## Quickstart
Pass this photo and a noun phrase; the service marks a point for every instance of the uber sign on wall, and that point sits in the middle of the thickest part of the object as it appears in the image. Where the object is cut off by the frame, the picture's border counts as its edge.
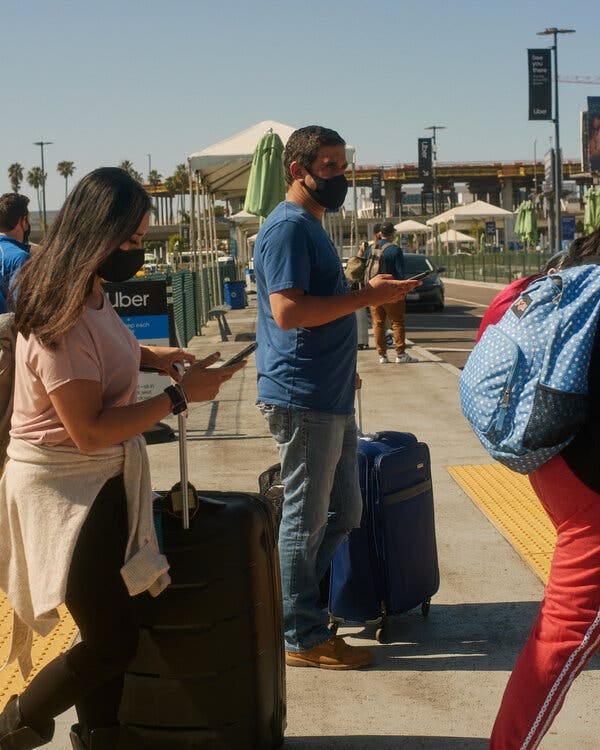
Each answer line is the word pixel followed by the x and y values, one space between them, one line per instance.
pixel 142 306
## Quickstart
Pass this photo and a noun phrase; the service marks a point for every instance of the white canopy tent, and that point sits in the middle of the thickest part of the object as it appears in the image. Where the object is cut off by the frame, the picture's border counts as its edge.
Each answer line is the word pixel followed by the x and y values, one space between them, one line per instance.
pixel 224 167
pixel 469 212
pixel 410 226
pixel 476 211
pixel 451 235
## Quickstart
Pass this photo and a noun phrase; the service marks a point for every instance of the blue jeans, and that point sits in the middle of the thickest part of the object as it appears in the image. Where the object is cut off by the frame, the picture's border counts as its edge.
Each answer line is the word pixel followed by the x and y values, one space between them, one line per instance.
pixel 322 503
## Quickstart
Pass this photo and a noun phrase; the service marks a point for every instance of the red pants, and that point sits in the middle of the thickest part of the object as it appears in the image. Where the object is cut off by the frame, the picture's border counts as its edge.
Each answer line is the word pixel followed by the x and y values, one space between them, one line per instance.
pixel 396 312
pixel 567 631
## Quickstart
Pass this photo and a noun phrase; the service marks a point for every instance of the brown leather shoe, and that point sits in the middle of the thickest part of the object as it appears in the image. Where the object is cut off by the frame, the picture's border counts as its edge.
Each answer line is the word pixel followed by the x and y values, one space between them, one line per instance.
pixel 333 654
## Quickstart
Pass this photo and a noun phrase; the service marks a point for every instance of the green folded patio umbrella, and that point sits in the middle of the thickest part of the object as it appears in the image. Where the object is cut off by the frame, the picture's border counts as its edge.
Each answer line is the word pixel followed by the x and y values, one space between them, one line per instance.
pixel 526 225
pixel 266 184
pixel 591 216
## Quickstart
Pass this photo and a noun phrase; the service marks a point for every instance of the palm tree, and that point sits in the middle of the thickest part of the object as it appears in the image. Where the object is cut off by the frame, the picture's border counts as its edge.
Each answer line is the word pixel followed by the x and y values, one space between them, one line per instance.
pixel 130 169
pixel 171 189
pixel 65 169
pixel 154 178
pixel 15 175
pixel 35 178
pixel 180 178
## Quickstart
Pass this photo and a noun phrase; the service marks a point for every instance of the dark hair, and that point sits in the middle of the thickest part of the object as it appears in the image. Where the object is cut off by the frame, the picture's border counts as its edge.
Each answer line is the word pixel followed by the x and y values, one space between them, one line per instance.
pixel 303 146
pixel 581 248
pixel 12 208
pixel 100 214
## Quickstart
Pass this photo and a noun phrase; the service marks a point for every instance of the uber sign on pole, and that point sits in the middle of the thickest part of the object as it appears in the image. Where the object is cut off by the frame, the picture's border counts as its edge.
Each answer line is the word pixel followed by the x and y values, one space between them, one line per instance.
pixel 376 185
pixel 540 84
pixel 425 158
pixel 142 306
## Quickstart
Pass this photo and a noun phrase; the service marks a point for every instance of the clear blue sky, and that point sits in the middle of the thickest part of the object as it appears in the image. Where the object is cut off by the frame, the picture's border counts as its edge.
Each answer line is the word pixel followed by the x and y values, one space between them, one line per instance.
pixel 113 80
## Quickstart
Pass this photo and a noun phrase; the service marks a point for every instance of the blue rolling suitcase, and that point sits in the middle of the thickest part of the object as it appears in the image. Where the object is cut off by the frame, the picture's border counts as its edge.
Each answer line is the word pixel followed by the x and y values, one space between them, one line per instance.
pixel 389 565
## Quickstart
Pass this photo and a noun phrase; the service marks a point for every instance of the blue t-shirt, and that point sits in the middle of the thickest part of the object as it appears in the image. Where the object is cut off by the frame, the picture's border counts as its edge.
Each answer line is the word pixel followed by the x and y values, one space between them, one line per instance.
pixel 304 368
pixel 12 256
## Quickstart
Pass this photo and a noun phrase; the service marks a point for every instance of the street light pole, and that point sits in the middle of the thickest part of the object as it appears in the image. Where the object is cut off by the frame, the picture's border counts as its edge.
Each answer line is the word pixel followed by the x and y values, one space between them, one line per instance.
pixel 534 170
pixel 435 128
pixel 41 144
pixel 558 156
pixel 149 165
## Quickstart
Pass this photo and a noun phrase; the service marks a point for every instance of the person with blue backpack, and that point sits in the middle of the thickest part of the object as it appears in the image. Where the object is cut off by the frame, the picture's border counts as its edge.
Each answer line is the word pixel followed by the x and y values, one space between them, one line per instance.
pixel 551 432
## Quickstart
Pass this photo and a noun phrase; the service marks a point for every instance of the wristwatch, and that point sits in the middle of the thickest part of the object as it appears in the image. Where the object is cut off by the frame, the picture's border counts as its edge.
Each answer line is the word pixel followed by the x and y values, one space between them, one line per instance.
pixel 178 399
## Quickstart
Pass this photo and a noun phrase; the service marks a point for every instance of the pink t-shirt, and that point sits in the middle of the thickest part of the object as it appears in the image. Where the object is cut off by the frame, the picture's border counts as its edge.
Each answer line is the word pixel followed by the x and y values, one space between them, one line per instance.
pixel 99 347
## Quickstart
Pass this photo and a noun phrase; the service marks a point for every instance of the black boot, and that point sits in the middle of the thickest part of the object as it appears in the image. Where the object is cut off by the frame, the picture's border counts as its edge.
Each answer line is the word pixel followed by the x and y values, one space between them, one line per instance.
pixel 104 738
pixel 16 735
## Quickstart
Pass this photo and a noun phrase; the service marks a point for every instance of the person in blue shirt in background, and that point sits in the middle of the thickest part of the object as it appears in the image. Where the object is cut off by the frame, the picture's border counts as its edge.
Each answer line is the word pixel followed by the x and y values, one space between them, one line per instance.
pixel 306 369
pixel 392 262
pixel 14 240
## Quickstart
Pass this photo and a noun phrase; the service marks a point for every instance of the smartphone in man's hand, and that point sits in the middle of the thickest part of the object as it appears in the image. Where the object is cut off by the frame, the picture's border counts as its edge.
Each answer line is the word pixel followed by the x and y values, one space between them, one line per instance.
pixel 421 275
pixel 243 354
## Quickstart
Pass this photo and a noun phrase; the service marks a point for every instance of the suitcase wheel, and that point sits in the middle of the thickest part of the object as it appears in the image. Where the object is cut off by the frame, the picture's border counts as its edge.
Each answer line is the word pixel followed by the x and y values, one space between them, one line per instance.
pixel 425 607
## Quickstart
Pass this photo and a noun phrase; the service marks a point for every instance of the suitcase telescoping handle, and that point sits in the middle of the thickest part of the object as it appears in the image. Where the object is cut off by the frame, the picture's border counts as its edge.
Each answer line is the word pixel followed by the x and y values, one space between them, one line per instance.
pixel 183 468
pixel 183 460
pixel 359 409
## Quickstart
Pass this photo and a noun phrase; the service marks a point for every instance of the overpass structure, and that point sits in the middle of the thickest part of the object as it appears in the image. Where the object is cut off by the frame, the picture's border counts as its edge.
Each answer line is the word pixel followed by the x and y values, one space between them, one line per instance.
pixel 502 183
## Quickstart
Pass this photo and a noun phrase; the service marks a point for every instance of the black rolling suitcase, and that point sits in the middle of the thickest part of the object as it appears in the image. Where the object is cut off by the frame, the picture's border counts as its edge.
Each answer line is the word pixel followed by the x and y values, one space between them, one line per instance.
pixel 209 673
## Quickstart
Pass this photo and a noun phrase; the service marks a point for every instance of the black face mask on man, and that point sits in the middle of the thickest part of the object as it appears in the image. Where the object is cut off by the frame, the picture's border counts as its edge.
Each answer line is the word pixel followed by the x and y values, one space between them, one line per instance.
pixel 121 265
pixel 330 192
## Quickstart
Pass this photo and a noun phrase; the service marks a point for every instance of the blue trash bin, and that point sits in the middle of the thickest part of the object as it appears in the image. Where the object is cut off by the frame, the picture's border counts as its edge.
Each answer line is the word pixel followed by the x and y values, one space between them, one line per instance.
pixel 235 294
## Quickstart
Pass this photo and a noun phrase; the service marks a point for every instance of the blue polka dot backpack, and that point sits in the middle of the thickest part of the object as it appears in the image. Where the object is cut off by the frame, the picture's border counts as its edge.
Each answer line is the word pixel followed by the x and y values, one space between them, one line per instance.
pixel 524 388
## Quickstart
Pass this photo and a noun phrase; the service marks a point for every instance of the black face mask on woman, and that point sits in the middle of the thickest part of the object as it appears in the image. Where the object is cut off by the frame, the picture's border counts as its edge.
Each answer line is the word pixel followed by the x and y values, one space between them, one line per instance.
pixel 121 265
pixel 329 193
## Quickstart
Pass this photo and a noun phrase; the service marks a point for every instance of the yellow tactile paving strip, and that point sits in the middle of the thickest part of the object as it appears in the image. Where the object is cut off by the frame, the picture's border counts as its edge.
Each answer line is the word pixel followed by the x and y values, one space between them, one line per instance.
pixel 43 651
pixel 510 503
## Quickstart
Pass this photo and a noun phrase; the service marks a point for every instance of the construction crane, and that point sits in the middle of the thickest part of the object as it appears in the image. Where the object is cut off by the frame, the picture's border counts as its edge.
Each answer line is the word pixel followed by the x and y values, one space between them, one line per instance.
pixel 579 79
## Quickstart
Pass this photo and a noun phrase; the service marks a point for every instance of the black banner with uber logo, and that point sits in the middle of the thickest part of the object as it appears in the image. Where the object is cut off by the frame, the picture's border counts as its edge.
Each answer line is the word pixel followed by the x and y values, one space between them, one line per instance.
pixel 425 158
pixel 540 84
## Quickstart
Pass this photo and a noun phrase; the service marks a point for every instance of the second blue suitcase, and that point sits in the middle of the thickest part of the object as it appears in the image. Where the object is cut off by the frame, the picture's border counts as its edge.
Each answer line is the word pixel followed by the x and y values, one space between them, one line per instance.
pixel 389 565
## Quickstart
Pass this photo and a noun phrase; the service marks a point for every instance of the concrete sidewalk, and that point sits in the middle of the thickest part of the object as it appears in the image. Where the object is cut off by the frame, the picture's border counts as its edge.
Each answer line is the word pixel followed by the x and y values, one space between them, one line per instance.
pixel 439 682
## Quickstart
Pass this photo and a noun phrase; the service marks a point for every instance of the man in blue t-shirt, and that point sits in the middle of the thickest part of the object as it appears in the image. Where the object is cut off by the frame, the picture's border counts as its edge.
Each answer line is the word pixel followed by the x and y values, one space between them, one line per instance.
pixel 306 364
pixel 14 240
pixel 391 261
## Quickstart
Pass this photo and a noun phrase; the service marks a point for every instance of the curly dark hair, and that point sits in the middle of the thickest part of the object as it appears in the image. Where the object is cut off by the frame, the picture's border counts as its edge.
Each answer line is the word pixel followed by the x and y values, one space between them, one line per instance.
pixel 580 248
pixel 303 146
pixel 12 208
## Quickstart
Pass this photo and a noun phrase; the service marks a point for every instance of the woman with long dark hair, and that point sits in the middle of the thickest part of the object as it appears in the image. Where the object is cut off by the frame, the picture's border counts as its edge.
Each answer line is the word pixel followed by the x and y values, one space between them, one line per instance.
pixel 75 496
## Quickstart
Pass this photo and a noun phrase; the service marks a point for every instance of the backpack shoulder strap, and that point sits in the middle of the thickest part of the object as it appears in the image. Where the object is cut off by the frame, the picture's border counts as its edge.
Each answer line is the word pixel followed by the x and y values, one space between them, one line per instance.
pixel 383 247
